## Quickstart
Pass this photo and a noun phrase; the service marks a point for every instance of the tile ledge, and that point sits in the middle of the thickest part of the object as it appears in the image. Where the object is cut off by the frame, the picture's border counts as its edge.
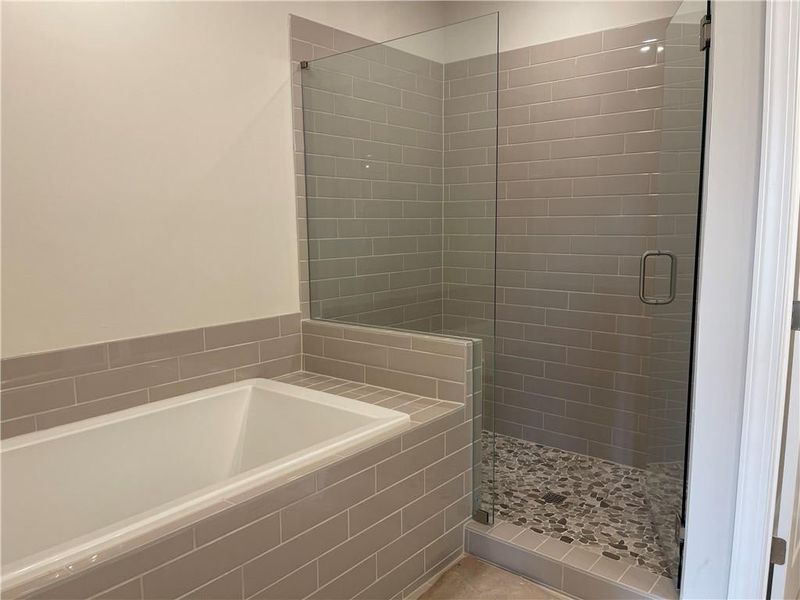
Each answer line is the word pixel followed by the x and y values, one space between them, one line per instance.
pixel 486 531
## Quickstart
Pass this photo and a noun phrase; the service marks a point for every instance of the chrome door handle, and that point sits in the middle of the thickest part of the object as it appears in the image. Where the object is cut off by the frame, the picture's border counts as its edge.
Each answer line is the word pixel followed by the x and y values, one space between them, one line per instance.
pixel 673 271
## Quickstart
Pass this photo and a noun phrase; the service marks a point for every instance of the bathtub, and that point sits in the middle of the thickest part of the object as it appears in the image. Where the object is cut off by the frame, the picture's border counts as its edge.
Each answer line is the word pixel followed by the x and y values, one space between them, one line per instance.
pixel 73 491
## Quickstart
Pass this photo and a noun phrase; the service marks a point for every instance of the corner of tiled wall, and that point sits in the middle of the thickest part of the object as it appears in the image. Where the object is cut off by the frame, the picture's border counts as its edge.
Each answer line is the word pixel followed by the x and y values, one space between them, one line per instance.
pixel 581 184
pixel 429 366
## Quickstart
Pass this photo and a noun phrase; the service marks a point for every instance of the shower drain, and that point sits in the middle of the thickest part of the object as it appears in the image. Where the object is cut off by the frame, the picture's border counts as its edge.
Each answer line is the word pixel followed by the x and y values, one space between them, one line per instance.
pixel 553 498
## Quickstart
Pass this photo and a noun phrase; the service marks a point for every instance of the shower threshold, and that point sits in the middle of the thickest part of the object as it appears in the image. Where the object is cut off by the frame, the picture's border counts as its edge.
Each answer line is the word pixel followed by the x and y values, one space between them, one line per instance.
pixel 574 570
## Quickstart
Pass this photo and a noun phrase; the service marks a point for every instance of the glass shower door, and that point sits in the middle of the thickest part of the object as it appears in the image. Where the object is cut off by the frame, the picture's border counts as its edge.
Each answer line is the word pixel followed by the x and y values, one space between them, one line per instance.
pixel 668 273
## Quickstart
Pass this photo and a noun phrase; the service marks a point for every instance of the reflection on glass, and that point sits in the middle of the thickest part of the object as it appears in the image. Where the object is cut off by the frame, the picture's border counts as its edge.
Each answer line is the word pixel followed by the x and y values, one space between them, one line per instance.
pixel 400 160
pixel 678 207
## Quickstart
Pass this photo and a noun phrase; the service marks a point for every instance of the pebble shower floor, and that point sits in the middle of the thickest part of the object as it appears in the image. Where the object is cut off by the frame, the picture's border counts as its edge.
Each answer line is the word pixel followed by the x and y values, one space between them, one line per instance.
pixel 604 506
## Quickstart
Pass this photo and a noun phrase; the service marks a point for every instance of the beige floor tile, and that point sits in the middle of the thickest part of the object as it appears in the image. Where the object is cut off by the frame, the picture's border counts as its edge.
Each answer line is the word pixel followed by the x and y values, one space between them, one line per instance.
pixel 473 579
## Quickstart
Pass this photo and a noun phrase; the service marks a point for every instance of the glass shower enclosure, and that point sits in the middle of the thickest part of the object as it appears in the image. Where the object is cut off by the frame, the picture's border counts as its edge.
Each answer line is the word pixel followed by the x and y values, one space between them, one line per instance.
pixel 400 166
pixel 549 210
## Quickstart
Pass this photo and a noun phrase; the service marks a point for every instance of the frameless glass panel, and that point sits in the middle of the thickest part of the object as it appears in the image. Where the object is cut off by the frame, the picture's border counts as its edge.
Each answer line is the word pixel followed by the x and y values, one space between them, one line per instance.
pixel 669 275
pixel 400 159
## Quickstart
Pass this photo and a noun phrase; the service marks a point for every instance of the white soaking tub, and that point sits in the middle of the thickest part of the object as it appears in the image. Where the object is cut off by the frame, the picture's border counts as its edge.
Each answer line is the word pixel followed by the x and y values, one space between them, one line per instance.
pixel 72 491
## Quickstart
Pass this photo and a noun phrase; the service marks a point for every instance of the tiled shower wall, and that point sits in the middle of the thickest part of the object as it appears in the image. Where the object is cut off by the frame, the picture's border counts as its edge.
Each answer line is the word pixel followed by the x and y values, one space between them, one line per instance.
pixel 579 162
pixel 671 326
pixel 579 135
pixel 373 141
pixel 678 205
pixel 470 193
pixel 375 148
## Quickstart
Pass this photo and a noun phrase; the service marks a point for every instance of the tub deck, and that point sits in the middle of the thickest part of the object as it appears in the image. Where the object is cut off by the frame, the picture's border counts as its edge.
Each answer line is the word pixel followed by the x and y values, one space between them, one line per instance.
pixel 419 408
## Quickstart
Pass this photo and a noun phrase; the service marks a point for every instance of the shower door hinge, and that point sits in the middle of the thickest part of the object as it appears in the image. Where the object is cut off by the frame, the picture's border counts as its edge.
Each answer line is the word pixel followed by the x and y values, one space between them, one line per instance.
pixel 481 516
pixel 777 551
pixel 303 64
pixel 680 530
pixel 796 315
pixel 705 32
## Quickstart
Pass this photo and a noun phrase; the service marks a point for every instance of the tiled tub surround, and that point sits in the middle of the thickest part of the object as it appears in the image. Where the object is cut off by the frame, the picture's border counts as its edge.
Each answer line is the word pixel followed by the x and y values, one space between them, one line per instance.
pixel 433 366
pixel 374 524
pixel 44 390
pixel 573 570
pixel 410 527
pixel 54 388
pixel 447 368
pixel 115 478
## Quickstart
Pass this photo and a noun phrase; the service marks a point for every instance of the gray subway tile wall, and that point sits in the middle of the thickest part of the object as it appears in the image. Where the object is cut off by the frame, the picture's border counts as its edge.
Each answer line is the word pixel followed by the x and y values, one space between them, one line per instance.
pixel 372 237
pixel 405 498
pixel 43 390
pixel 390 239
pixel 681 122
pixel 422 365
pixel 435 367
pixel 670 326
pixel 585 186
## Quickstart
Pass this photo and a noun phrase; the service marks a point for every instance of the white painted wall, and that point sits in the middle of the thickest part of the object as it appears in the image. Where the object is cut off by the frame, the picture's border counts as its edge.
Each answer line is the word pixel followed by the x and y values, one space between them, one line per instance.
pixel 524 24
pixel 458 41
pixel 538 21
pixel 147 163
pixel 379 21
pixel 730 203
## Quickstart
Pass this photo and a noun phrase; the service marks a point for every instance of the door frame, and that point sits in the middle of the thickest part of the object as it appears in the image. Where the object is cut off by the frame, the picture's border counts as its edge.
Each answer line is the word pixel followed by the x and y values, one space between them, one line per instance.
pixel 770 316
pixel 727 240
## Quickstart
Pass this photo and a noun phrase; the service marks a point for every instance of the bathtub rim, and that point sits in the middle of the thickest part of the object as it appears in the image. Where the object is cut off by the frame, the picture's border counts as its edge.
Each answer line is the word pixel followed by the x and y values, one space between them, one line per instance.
pixel 52 433
pixel 135 531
